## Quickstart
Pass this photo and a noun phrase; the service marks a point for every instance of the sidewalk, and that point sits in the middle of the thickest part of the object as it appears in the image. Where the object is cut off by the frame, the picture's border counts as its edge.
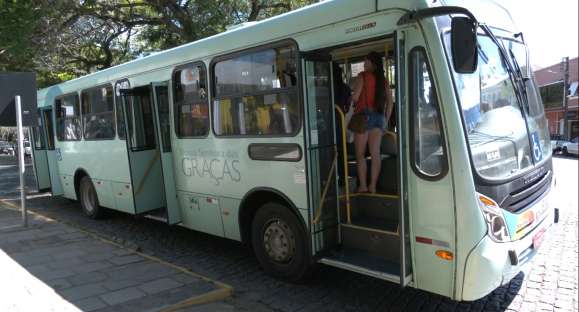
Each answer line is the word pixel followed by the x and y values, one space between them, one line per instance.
pixel 50 266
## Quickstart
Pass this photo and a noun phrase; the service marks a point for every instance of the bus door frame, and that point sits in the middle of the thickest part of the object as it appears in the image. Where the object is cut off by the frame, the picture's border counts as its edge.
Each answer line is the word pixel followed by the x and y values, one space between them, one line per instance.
pixel 406 267
pixel 167 165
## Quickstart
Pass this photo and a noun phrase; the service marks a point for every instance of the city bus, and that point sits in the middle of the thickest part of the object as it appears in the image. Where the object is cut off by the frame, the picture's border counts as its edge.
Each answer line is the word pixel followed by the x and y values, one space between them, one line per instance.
pixel 239 135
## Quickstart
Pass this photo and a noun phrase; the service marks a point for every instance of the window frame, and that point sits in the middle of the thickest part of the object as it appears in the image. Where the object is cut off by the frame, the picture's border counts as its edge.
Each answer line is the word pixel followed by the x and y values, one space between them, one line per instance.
pixel 413 111
pixel 298 88
pixel 173 102
pixel 104 85
pixel 60 97
pixel 118 82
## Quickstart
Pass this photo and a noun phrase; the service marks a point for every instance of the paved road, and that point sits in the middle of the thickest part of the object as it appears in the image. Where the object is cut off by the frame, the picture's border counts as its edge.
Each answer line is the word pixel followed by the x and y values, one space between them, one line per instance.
pixel 550 284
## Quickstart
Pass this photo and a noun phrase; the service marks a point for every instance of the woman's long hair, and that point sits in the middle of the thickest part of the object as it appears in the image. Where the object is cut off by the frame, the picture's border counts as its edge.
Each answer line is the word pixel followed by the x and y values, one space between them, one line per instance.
pixel 379 97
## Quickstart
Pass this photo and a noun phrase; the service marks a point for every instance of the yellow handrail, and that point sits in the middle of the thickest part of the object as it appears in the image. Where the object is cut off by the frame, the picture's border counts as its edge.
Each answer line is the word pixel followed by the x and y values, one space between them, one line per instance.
pixel 345 163
pixel 326 187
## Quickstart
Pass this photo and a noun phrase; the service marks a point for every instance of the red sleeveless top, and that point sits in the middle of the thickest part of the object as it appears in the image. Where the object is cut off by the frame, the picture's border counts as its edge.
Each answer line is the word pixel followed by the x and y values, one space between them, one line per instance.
pixel 367 96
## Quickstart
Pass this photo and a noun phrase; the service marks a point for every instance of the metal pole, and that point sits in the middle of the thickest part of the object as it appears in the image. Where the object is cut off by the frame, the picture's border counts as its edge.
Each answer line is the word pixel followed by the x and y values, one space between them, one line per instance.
pixel 565 102
pixel 21 166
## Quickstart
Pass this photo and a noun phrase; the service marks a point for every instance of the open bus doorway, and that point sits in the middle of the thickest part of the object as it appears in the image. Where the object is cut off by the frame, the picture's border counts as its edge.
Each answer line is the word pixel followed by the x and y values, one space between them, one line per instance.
pixel 363 234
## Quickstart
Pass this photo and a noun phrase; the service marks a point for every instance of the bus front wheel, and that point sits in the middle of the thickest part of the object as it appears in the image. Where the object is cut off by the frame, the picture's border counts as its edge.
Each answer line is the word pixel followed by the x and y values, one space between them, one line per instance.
pixel 280 243
pixel 88 199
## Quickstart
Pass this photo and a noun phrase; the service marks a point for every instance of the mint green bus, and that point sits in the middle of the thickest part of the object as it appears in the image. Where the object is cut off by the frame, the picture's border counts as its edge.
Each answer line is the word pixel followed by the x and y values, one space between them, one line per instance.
pixel 242 135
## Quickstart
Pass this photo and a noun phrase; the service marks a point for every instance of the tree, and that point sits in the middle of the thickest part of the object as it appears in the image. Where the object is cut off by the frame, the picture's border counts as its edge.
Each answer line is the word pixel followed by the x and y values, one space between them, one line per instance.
pixel 62 39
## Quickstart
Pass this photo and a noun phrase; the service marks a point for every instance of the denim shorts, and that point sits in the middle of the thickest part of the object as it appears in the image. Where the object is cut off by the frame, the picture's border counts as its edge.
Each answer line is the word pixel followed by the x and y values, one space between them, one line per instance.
pixel 376 120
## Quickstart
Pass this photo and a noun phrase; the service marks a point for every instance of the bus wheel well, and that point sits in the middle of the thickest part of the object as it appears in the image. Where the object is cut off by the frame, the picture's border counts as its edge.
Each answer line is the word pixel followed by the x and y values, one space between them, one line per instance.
pixel 252 202
pixel 78 175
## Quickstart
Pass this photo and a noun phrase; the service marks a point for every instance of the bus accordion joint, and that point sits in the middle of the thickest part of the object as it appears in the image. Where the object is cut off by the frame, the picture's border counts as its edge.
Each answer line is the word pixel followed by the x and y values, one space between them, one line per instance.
pixel 444 255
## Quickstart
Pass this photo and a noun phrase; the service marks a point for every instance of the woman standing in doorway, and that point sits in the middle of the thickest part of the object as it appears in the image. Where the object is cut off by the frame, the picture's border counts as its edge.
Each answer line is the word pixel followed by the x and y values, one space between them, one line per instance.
pixel 375 104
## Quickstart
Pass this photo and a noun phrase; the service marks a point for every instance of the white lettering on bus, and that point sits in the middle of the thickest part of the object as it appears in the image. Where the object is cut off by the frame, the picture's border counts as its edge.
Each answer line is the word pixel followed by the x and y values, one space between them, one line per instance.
pixel 213 168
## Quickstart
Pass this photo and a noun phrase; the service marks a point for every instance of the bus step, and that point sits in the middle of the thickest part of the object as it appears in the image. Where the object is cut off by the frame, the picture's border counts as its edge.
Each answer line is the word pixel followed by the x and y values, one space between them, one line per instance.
pixel 381 242
pixel 361 262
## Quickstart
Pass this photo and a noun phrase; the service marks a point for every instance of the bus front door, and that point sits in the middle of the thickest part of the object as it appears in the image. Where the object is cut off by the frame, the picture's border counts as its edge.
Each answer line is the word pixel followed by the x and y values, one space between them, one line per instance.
pixel 322 154
pixel 143 150
pixel 428 195
pixel 163 121
pixel 41 170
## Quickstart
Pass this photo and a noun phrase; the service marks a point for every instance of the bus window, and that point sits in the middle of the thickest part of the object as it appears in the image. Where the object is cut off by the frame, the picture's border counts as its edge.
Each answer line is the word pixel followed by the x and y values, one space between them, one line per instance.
pixel 256 93
pixel 38 133
pixel 98 113
pixel 68 118
pixel 429 155
pixel 140 122
pixel 47 115
pixel 191 107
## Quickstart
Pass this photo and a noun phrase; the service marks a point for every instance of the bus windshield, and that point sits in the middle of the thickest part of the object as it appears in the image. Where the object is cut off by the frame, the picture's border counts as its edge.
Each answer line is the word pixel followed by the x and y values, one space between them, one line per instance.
pixel 495 119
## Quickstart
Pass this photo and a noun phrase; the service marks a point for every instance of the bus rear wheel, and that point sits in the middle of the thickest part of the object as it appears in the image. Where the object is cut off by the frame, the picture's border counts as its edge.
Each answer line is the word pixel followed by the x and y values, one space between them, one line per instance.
pixel 89 200
pixel 279 243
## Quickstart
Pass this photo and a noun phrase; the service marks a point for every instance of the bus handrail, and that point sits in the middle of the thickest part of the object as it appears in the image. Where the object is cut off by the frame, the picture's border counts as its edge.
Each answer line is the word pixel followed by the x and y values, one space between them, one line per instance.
pixel 345 162
pixel 326 187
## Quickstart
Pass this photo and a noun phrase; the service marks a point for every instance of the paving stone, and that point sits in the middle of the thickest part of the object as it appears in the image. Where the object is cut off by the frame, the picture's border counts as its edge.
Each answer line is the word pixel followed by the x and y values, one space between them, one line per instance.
pixel 123 295
pixel 83 291
pixel 87 278
pixel 159 285
pixel 90 304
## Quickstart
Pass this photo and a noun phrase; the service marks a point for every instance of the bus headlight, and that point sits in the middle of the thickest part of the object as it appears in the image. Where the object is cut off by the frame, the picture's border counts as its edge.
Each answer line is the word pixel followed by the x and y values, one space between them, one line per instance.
pixel 494 219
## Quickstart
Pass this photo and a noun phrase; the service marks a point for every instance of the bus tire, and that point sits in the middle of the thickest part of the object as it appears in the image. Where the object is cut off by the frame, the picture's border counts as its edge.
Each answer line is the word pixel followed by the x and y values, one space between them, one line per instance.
pixel 280 243
pixel 89 200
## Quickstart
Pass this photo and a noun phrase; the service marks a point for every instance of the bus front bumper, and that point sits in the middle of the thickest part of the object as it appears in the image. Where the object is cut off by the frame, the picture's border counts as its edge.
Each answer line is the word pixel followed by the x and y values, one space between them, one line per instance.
pixel 493 264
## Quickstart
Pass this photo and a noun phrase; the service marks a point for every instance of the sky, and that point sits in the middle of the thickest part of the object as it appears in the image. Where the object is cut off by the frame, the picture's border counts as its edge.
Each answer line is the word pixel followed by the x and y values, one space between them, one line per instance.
pixel 550 28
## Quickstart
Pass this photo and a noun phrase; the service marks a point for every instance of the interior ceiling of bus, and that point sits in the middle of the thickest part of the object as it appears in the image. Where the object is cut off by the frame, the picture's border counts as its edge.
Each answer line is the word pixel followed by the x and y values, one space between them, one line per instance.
pixel 362 50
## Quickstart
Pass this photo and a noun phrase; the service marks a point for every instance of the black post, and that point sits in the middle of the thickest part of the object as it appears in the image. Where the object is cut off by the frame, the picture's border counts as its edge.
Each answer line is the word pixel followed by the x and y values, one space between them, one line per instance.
pixel 565 91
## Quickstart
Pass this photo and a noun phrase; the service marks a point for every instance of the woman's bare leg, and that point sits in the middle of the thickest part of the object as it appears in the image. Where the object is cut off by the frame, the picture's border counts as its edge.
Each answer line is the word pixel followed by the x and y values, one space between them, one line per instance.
pixel 360 141
pixel 374 141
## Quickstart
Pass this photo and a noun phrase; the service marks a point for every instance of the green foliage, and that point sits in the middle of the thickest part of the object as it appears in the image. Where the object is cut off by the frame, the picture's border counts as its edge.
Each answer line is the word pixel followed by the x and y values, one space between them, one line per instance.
pixel 64 39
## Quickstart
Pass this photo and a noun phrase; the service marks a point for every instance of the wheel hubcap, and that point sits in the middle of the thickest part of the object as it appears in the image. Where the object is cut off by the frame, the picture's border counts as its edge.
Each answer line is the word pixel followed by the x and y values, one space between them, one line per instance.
pixel 279 241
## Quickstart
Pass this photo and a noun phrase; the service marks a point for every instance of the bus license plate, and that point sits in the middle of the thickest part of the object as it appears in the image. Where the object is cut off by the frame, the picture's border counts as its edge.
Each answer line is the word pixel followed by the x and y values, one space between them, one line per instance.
pixel 538 239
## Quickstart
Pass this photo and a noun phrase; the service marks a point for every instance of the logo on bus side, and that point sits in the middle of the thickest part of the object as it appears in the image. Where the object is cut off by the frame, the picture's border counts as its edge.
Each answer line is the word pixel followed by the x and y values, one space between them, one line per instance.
pixel 212 164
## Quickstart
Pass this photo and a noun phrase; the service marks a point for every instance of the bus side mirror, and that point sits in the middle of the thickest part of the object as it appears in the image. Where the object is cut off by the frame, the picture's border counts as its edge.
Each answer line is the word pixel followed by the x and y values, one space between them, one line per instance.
pixel 464 45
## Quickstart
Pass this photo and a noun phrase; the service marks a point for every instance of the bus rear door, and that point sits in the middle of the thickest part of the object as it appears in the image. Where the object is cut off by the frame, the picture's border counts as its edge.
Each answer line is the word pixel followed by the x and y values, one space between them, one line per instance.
pixel 143 150
pixel 163 121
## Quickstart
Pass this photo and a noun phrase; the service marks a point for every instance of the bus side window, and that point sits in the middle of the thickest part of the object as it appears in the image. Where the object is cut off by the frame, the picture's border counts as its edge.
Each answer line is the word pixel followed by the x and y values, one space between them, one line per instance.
pixel 256 93
pixel 67 118
pixel 428 155
pixel 98 113
pixel 191 103
pixel 38 133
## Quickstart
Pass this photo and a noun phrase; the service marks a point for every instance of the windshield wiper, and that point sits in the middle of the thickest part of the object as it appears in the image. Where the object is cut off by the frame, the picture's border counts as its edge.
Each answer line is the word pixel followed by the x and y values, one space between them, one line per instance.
pixel 509 67
pixel 522 80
